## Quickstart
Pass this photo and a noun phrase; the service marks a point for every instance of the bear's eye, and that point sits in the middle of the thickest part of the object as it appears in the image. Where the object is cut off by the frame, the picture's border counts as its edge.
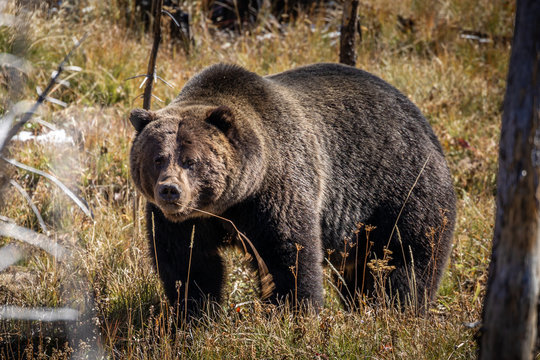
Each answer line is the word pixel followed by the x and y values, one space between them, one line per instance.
pixel 159 160
pixel 189 163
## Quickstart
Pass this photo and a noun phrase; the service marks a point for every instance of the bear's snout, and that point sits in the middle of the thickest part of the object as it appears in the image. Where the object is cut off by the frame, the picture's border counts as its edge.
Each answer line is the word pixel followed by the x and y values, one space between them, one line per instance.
pixel 169 192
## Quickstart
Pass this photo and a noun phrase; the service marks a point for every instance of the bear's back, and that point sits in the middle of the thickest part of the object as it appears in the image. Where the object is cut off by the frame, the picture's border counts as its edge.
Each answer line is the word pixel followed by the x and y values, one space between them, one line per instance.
pixel 331 89
pixel 378 143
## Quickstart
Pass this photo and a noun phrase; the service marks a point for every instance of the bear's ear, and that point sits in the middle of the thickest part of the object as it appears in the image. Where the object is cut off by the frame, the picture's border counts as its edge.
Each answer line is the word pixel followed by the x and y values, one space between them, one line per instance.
pixel 139 118
pixel 221 117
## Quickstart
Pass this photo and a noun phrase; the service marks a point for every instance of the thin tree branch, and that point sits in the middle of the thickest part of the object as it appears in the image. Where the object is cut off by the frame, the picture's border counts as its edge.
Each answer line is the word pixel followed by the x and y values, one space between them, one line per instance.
pixel 158 4
pixel 42 97
pixel 136 76
pixel 349 22
pixel 25 195
pixel 38 314
pixel 165 82
pixel 33 238
pixel 77 200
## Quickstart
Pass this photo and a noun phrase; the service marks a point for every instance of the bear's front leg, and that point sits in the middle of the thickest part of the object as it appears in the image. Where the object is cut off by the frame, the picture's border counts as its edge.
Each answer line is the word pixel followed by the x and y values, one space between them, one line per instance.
pixel 297 272
pixel 291 249
pixel 181 262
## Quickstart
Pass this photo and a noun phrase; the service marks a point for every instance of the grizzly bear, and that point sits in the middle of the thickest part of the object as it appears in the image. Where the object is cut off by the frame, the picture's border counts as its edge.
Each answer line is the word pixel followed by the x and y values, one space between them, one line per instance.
pixel 321 161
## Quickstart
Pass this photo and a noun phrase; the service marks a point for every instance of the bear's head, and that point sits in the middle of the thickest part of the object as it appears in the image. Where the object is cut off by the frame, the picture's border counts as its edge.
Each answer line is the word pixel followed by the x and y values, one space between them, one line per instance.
pixel 193 159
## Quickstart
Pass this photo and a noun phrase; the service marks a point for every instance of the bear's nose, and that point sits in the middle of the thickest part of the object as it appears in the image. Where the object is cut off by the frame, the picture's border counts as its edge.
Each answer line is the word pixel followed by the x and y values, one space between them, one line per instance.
pixel 169 192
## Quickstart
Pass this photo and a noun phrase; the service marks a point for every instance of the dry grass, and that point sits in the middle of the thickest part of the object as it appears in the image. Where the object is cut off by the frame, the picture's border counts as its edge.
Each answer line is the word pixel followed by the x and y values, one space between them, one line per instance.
pixel 457 83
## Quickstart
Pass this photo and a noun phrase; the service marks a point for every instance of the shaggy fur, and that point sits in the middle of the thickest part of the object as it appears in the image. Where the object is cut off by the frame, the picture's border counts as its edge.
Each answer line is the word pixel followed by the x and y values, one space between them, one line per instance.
pixel 296 158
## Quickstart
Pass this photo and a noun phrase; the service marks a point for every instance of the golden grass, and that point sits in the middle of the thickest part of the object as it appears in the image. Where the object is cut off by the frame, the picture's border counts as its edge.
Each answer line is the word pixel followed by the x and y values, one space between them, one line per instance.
pixel 457 83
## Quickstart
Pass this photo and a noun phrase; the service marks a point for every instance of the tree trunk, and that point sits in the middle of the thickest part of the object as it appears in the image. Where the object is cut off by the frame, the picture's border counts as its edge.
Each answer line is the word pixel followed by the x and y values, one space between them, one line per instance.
pixel 349 24
pixel 510 307
pixel 157 5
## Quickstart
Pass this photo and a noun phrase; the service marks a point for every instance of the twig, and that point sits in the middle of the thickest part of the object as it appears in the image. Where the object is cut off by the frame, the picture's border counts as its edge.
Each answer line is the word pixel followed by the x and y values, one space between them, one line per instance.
pixel 38 314
pixel 184 37
pixel 333 286
pixel 172 18
pixel 267 283
pixel 339 276
pixel 42 97
pixel 25 195
pixel 33 238
pixel 188 273
pixel 165 82
pixel 407 198
pixel 145 77
pixel 77 200
pixel 135 77
pixel 147 97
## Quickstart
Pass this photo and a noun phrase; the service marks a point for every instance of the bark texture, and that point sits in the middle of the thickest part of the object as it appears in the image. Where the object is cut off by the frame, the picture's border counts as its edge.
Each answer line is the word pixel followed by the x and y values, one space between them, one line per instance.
pixel 511 304
pixel 157 5
pixel 349 24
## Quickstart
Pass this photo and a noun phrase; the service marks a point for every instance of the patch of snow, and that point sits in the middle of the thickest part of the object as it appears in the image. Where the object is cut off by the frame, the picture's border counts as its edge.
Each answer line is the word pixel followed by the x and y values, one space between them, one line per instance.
pixel 332 35
pixel 266 36
pixel 52 137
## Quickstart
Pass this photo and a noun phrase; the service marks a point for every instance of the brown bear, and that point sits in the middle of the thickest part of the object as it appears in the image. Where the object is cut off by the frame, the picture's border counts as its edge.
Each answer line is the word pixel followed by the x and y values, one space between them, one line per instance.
pixel 297 161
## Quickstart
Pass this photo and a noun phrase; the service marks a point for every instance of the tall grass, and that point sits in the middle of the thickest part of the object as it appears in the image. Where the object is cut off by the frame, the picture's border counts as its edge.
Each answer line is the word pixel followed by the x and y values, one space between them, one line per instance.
pixel 457 83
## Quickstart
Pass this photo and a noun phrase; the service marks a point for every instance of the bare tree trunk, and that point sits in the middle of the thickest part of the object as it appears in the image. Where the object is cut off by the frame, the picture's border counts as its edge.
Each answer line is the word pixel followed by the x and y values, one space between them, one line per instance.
pixel 349 24
pixel 150 74
pixel 157 6
pixel 510 308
